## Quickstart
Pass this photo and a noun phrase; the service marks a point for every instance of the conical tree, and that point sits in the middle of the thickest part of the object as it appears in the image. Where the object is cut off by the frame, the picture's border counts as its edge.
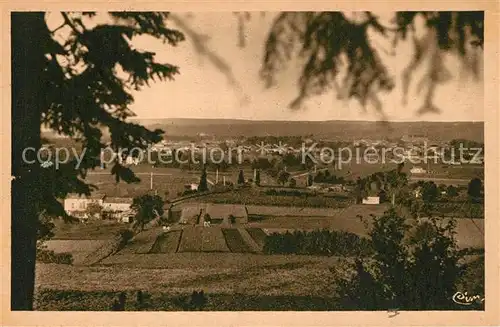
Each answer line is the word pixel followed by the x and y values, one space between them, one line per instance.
pixel 203 181
pixel 257 177
pixel 241 177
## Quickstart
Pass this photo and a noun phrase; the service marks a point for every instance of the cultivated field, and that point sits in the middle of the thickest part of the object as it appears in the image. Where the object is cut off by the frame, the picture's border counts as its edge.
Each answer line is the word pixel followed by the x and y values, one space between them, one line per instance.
pixel 191 240
pixel 213 240
pixel 168 182
pixel 167 242
pixel 92 230
pixel 183 272
pixel 254 196
pixel 170 265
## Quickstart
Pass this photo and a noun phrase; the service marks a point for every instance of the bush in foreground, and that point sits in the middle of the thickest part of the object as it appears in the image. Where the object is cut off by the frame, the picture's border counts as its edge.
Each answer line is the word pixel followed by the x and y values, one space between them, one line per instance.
pixel 407 272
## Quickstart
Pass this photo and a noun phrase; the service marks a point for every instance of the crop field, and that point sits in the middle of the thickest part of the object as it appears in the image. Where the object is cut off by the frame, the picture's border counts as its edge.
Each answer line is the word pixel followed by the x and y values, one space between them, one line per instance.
pixel 143 242
pixel 363 210
pixel 235 241
pixel 251 196
pixel 181 273
pixel 293 211
pixel 94 230
pixel 168 182
pixel 192 239
pixel 80 250
pixel 167 242
pixel 189 239
pixel 73 246
pixel 258 235
pixel 213 240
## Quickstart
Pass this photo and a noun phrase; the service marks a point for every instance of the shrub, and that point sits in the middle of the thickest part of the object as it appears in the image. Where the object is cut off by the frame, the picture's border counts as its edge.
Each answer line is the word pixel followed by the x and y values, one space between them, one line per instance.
pixel 416 273
pixel 198 300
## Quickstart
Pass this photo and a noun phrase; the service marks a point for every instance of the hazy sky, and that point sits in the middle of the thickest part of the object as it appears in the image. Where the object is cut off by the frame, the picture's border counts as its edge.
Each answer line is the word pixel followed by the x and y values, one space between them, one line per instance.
pixel 202 91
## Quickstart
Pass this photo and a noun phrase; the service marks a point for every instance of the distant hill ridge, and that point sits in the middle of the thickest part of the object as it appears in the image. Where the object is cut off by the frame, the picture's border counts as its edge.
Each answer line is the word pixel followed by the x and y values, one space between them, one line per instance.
pixel 334 129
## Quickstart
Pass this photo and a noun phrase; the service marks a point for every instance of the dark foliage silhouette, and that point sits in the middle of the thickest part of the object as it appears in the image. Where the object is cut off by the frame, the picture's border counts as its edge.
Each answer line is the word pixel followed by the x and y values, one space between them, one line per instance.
pixel 407 272
pixel 336 52
pixel 78 97
pixel 147 207
pixel 203 181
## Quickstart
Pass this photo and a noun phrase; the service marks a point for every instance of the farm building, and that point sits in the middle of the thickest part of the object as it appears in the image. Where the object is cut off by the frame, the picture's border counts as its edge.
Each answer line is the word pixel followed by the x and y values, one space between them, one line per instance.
pixel 117 208
pixel 116 204
pixel 112 208
pixel 76 204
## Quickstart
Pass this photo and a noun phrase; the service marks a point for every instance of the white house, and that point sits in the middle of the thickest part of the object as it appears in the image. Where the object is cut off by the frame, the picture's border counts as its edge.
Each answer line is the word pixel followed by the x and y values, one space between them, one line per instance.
pixel 418 170
pixel 76 205
pixel 371 200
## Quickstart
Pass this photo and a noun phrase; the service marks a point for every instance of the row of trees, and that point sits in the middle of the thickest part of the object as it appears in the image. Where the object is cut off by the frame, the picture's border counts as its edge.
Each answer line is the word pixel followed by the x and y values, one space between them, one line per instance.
pixel 389 183
pixel 318 242
pixel 327 177
pixel 431 192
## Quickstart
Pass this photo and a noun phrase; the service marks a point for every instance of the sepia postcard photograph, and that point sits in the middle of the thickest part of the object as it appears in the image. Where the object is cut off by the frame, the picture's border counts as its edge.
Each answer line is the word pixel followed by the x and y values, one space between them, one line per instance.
pixel 191 161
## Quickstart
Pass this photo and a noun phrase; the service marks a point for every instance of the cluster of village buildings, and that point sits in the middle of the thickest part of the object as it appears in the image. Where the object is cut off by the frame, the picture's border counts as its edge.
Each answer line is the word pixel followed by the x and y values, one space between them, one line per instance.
pixel 99 206
pixel 414 147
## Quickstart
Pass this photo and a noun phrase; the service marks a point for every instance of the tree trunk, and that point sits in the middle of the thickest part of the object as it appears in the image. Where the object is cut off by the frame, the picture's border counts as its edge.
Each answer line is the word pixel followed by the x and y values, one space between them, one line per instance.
pixel 27 68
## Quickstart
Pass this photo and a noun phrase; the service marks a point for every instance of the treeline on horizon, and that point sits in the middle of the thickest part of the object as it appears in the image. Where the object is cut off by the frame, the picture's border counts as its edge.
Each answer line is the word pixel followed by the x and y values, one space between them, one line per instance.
pixel 340 130
pixel 198 129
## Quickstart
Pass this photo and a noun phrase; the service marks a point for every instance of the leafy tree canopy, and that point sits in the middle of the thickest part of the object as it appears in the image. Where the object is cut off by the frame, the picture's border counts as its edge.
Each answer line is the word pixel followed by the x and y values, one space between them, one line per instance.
pixel 147 207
